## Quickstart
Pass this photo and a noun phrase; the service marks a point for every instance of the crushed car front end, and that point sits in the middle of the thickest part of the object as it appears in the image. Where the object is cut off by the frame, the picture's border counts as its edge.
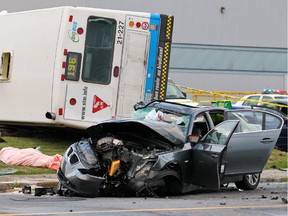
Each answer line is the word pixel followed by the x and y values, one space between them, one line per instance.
pixel 120 163
pixel 76 174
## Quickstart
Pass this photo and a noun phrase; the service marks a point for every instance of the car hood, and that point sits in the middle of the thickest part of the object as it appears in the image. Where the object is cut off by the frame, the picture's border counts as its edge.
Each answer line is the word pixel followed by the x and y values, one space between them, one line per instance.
pixel 137 130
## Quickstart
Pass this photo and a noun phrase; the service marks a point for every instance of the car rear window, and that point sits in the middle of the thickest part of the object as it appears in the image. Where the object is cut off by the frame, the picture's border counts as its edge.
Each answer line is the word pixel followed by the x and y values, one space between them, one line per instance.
pixel 280 97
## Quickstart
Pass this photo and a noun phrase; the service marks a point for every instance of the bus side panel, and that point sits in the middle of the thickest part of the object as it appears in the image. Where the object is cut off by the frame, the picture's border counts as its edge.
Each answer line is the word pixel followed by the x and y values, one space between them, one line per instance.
pixel 94 102
pixel 163 57
pixel 152 67
pixel 31 37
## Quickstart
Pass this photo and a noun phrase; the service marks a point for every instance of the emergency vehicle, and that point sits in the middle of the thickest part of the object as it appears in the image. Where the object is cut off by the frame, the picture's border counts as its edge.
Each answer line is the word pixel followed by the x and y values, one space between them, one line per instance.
pixel 75 66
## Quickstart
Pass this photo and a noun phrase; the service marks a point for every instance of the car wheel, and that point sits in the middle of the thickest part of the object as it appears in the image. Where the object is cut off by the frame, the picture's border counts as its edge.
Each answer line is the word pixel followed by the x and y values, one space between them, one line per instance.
pixel 249 182
pixel 173 185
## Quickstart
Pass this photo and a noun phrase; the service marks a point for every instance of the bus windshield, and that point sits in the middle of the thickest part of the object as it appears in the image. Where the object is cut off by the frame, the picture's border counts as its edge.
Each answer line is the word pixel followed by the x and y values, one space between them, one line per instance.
pixel 99 46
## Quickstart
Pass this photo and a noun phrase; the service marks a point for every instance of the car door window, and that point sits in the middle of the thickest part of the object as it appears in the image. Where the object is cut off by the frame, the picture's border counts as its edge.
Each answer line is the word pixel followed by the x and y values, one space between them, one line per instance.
pixel 217 116
pixel 254 121
pixel 267 98
pixel 271 122
pixel 249 121
pixel 219 135
pixel 252 100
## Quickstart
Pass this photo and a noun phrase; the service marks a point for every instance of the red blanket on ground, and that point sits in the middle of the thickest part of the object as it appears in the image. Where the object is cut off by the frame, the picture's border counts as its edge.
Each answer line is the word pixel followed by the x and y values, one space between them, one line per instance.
pixel 29 157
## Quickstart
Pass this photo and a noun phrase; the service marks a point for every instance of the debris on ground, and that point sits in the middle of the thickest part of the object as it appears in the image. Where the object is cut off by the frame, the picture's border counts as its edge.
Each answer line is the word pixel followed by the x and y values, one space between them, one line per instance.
pixel 284 200
pixel 38 191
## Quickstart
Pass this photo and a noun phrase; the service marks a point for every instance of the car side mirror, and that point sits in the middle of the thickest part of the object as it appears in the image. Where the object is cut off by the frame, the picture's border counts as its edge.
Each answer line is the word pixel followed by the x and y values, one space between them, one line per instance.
pixel 139 105
pixel 194 139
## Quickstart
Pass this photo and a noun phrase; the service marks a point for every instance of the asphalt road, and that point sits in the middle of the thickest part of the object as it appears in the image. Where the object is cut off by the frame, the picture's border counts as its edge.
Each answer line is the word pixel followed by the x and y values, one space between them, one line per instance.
pixel 268 199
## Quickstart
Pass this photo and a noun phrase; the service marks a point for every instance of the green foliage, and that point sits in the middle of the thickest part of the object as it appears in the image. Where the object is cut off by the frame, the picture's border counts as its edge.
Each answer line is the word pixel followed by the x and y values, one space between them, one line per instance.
pixel 277 160
pixel 49 146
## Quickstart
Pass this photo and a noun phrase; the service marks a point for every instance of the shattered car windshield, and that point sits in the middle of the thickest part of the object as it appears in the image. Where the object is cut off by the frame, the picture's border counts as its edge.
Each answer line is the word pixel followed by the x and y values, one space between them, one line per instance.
pixel 164 117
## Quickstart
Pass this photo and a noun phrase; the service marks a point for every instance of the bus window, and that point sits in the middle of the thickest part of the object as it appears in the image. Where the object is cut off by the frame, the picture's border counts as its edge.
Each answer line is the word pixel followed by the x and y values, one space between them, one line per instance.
pixel 5 66
pixel 99 46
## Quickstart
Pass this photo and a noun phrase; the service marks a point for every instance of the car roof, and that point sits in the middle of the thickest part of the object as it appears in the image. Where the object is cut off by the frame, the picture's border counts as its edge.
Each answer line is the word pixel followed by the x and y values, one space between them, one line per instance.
pixel 272 95
pixel 281 101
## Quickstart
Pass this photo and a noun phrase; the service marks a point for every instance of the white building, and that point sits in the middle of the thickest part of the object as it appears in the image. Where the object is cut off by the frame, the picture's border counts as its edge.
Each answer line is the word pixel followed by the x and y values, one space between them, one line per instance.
pixel 224 45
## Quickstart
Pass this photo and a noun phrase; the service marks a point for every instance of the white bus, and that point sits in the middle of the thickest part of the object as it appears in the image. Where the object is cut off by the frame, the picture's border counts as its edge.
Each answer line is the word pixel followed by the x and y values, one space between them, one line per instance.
pixel 74 66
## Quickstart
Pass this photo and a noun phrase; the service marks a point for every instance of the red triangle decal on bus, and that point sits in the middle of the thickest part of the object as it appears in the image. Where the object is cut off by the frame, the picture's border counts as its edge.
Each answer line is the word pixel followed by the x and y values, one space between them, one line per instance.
pixel 98 104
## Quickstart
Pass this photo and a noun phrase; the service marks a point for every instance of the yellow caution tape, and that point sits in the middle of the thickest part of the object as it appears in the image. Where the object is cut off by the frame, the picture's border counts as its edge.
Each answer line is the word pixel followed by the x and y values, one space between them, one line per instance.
pixel 204 93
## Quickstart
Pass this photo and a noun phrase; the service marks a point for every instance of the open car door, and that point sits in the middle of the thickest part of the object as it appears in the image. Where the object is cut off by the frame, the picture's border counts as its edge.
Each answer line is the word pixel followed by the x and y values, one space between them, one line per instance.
pixel 253 140
pixel 208 154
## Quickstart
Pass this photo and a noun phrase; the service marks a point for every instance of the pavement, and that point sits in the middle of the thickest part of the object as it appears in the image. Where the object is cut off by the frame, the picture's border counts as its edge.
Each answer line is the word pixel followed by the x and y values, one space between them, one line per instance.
pixel 46 180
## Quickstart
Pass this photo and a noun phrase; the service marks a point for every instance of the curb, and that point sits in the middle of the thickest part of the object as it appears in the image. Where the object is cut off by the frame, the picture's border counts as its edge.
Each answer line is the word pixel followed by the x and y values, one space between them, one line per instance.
pixel 274 175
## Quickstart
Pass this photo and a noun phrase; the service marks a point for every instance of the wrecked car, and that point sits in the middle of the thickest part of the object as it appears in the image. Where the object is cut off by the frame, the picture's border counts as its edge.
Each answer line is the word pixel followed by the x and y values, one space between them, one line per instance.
pixel 167 148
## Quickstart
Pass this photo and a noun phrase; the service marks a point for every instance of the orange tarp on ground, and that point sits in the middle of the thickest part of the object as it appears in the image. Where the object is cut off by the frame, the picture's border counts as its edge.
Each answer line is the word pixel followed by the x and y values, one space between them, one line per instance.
pixel 29 157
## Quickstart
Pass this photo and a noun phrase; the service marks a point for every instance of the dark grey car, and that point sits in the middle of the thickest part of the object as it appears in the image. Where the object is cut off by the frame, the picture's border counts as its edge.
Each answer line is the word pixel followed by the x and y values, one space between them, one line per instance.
pixel 168 148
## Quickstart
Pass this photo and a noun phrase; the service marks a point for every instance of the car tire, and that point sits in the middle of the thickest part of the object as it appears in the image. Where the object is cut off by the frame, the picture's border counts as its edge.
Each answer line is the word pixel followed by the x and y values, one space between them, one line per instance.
pixel 249 182
pixel 173 185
